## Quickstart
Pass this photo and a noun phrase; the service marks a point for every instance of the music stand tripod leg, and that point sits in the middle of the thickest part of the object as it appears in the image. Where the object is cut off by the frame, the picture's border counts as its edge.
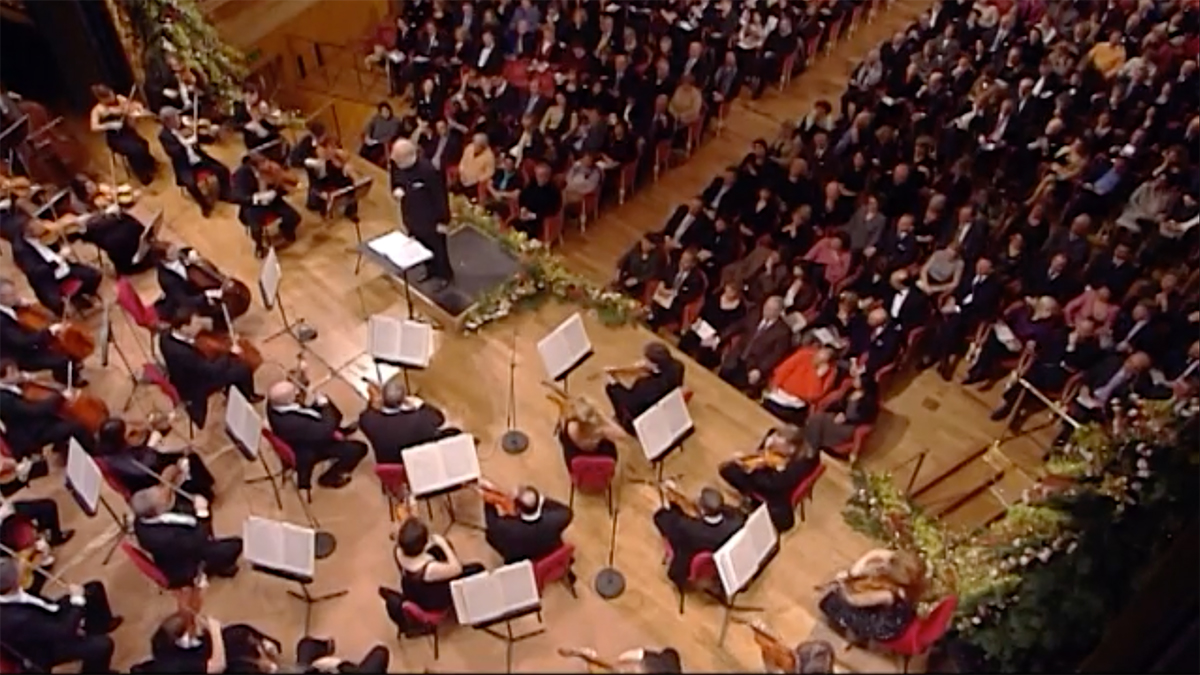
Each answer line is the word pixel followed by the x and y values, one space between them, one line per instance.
pixel 731 606
pixel 122 529
pixel 310 600
pixel 268 475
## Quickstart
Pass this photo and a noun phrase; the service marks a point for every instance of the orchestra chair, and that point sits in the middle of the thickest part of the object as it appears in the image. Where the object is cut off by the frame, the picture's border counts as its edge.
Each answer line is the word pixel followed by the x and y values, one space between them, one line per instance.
pixel 142 315
pixel 804 490
pixel 287 470
pixel 145 565
pixel 393 481
pixel 923 632
pixel 270 220
pixel 702 572
pixel 155 376
pixel 69 288
pixel 556 566
pixel 592 475
pixel 428 618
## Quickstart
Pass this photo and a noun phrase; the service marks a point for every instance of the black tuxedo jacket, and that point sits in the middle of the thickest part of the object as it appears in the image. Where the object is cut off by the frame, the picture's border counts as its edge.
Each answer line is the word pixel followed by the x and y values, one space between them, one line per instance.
pixel 1062 288
pixel 178 550
pixel 20 343
pixel 390 432
pixel 39 272
pixel 761 352
pixel 731 202
pixel 25 421
pixel 178 154
pixel 877 350
pixel 516 539
pixel 978 301
pixel 689 289
pixel 38 633
pixel 914 310
pixel 697 233
pixel 192 374
pixel 177 292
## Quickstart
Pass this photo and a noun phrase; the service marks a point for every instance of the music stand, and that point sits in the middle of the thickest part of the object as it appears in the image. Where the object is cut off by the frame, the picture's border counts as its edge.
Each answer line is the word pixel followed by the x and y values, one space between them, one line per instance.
pixel 288 552
pixel 441 468
pixel 514 441
pixel 83 480
pixel 564 349
pixel 399 253
pixel 340 199
pixel 502 595
pixel 610 581
pixel 243 427
pixel 663 428
pixel 741 559
pixel 402 343
pixel 270 276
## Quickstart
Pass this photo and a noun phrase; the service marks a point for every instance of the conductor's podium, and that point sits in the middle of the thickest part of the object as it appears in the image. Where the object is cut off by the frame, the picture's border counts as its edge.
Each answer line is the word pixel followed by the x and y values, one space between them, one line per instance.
pixel 481 266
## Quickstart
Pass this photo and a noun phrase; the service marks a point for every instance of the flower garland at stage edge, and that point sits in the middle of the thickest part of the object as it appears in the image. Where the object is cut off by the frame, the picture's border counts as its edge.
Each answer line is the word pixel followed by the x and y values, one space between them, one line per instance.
pixel 543 276
pixel 1038 587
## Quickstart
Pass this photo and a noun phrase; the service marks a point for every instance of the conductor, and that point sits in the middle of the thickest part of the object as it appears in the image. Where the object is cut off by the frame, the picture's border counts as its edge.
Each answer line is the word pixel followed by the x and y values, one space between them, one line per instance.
pixel 425 206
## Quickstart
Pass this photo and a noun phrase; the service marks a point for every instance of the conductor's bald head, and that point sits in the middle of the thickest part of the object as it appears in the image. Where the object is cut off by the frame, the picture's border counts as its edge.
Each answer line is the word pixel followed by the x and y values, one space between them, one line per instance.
pixel 404 153
pixel 282 393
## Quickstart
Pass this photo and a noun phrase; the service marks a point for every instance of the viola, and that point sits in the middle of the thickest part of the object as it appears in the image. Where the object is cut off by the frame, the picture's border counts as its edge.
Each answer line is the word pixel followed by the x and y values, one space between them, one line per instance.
pixel 138 432
pixel 214 345
pixel 86 410
pixel 235 294
pixel 504 503
pixel 764 459
pixel 28 551
pixel 73 341
pixel 674 496
pixel 277 177
pixel 775 654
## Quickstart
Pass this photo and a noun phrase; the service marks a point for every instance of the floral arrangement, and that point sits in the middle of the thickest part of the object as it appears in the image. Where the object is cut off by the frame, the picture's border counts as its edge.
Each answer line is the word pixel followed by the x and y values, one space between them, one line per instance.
pixel 543 275
pixel 178 27
pixel 1107 503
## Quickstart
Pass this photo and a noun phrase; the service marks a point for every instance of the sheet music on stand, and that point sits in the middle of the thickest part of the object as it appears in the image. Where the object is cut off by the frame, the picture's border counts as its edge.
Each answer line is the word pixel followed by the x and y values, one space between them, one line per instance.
pixel 440 465
pixel 565 347
pixel 663 425
pixel 401 250
pixel 83 478
pixel 243 424
pixel 399 342
pixel 504 592
pixel 268 278
pixel 743 555
pixel 279 546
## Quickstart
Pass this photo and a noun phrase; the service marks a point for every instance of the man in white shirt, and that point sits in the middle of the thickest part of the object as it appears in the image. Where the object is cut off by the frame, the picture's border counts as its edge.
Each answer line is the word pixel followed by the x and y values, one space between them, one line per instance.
pixel 51 274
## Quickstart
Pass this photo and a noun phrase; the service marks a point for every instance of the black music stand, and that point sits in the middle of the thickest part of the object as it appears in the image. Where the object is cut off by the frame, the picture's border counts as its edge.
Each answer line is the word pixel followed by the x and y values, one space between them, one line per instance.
pixel 730 602
pixel 304 595
pixel 509 639
pixel 658 462
pixel 122 521
pixel 610 582
pixel 448 495
pixel 393 269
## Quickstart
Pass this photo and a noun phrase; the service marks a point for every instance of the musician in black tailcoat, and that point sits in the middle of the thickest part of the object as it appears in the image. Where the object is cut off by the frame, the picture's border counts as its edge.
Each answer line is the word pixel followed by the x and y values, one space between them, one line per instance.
pixel 424 205
pixel 658 374
pixel 533 532
pixel 30 426
pixel 180 292
pixel 315 434
pixel 48 270
pixel 196 376
pixel 400 422
pixel 31 350
pixel 189 160
pixel 47 633
pixel 177 534
pixel 689 535
pixel 261 201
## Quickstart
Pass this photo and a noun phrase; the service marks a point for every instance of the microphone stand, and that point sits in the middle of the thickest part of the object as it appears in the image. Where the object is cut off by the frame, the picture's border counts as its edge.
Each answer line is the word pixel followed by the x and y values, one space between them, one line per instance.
pixel 514 441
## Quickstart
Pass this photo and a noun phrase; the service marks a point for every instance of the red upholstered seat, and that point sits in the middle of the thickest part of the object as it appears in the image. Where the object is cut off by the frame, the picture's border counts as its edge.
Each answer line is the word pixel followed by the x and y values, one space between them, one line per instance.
pixel 145 565
pixel 923 632
pixel 592 475
pixel 425 617
pixel 554 567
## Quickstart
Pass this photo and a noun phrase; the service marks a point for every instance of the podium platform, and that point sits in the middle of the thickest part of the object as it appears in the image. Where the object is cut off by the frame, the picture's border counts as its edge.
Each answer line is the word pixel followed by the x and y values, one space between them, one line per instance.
pixel 480 266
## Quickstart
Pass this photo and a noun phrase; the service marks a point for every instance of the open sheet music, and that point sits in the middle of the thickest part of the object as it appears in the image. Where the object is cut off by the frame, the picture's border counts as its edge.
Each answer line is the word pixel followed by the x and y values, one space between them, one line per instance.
pixel 565 347
pixel 399 342
pixel 268 278
pixel 402 250
pixel 443 464
pixel 243 423
pixel 487 596
pixel 83 477
pixel 663 425
pixel 280 546
pixel 743 555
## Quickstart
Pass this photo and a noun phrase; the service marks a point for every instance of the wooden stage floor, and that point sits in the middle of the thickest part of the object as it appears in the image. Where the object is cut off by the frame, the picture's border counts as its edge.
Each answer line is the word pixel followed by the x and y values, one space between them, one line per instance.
pixel 469 379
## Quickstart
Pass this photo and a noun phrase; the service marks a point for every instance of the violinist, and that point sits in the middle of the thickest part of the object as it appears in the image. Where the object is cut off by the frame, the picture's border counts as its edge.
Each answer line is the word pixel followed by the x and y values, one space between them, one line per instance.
pixel 694 528
pixel 631 661
pixel 187 643
pixel 252 114
pixel 190 162
pixel 524 525
pixel 179 291
pixel 112 229
pixel 112 114
pixel 130 456
pixel 43 259
pixel 259 191
pixel 48 633
pixel 398 421
pixel 327 166
pixel 196 376
pixel 41 513
pixel 427 564
pixel 315 434
pixel 772 472
pixel 584 432
pixel 657 375
pixel 177 534
pixel 32 425
pixel 180 87
pixel 33 350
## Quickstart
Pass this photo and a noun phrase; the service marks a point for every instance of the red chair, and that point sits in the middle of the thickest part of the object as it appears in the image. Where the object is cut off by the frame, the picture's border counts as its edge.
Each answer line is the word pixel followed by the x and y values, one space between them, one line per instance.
pixel 923 632
pixel 393 480
pixel 451 174
pixel 111 479
pixel 786 69
pixel 627 177
pixel 287 461
pixel 145 565
pixel 694 131
pixel 834 33
pixel 69 289
pixel 426 618
pixel 589 209
pixel 851 449
pixel 131 303
pixel 556 566
pixel 592 475
pixel 702 573
pixel 803 491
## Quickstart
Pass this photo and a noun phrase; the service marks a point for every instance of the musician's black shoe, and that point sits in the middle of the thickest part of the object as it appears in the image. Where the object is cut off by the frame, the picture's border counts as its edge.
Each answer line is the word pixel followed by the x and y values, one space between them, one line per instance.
pixel 61 538
pixel 1001 412
pixel 256 398
pixel 113 624
pixel 349 428
pixel 334 482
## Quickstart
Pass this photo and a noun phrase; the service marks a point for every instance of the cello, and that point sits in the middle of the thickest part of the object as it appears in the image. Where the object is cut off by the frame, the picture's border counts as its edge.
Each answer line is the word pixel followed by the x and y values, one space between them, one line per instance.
pixel 235 295
pixel 214 345
pixel 73 341
pixel 86 410
pixel 55 156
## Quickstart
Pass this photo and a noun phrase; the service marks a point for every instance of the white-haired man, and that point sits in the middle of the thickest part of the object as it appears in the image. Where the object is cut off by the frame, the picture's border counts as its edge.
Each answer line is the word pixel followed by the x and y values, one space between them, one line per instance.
pixel 420 190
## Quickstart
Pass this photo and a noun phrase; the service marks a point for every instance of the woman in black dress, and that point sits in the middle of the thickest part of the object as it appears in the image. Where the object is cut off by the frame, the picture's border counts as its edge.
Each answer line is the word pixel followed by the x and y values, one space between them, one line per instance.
pixel 583 432
pixel 876 598
pixel 131 463
pixel 720 311
pixel 111 114
pixel 427 565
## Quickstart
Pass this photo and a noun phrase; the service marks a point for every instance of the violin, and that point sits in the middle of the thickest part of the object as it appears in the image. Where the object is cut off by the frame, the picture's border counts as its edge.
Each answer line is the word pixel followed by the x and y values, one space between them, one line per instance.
pixel 636 369
pixel 275 176
pixel 674 496
pixel 138 432
pixel 73 341
pixel 588 657
pixel 374 394
pixel 765 458
pixel 504 503
pixel 31 557
pixel 86 410
pixel 329 150
pixel 775 654
pixel 235 295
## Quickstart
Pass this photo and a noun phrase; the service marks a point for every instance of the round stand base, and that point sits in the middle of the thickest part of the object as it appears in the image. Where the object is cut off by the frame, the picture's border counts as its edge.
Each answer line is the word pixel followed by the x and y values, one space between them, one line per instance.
pixel 610 583
pixel 325 545
pixel 514 442
pixel 305 332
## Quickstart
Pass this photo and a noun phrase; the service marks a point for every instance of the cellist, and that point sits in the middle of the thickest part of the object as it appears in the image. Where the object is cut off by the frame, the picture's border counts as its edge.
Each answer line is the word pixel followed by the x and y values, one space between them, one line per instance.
pixel 44 263
pixel 32 425
pixel 32 350
pixel 196 376
pixel 180 291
